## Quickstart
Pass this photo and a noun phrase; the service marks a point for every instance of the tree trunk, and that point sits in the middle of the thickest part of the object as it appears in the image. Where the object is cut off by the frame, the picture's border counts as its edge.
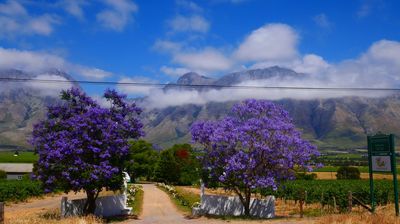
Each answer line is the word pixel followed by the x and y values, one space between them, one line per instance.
pixel 247 203
pixel 245 199
pixel 90 205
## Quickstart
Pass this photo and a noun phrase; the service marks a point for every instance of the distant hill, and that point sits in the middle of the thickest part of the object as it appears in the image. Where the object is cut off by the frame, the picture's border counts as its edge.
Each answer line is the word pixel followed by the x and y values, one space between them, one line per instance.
pixel 336 123
pixel 21 106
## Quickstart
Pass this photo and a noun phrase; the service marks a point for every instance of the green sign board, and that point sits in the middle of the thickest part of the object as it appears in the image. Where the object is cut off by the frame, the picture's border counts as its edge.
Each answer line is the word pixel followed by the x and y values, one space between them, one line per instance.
pixel 382 158
pixel 380 144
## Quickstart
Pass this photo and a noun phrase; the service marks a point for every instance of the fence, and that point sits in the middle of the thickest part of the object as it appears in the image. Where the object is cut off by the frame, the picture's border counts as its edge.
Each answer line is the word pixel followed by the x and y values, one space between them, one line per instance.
pixel 232 206
pixel 106 206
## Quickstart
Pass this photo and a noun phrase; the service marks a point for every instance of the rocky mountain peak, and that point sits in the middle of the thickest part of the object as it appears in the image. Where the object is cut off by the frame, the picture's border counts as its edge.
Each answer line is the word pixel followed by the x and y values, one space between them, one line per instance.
pixel 192 78
pixel 257 74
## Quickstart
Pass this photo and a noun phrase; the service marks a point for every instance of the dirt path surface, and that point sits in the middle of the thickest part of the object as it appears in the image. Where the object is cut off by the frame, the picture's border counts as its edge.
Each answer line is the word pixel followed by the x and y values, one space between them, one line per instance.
pixel 158 209
pixel 37 205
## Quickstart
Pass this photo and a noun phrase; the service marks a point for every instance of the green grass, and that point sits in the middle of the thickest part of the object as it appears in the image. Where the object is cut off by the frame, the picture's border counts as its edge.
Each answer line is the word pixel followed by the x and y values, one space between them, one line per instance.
pixel 187 199
pixel 137 204
pixel 24 157
pixel 343 156
pixel 363 169
pixel 188 196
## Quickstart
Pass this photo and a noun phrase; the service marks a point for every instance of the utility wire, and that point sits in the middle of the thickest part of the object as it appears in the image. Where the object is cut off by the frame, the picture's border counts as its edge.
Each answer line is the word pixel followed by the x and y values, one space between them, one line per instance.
pixel 196 86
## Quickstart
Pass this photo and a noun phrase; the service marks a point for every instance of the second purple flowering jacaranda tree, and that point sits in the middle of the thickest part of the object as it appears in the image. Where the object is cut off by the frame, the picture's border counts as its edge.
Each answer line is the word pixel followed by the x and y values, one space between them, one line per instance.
pixel 257 146
pixel 82 146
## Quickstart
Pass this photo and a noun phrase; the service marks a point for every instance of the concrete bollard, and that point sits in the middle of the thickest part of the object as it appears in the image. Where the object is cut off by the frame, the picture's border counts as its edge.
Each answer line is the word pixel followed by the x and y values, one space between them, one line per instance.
pixel 63 208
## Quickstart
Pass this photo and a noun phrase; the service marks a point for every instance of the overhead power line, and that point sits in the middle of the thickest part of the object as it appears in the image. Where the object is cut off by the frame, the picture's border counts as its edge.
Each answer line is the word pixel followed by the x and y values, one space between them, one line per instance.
pixel 196 86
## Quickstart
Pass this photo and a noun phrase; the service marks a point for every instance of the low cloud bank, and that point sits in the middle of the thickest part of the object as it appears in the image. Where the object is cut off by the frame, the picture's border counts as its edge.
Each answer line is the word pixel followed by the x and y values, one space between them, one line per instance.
pixel 378 67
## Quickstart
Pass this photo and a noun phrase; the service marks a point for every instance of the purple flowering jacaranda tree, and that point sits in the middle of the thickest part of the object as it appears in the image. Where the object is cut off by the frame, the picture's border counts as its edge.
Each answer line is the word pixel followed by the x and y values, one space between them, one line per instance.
pixel 257 146
pixel 82 146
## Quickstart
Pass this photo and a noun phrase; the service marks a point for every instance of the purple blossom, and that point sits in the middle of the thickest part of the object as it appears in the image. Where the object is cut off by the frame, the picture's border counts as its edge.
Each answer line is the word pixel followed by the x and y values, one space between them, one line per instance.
pixel 257 146
pixel 84 146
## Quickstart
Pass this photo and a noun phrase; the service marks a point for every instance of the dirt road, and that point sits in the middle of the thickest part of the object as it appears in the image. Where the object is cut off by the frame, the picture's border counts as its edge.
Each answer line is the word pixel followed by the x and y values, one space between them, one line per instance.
pixel 37 205
pixel 158 208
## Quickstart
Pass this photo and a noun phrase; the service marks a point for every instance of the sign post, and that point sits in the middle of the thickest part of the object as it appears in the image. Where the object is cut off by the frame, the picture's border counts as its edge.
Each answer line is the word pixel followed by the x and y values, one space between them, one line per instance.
pixel 382 159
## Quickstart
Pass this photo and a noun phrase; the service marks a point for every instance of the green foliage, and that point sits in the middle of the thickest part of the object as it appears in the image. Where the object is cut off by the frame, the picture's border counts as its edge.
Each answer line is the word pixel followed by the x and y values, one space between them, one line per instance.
pixel 306 176
pixel 178 165
pixel 144 158
pixel 23 157
pixel 348 172
pixel 3 175
pixel 19 190
pixel 323 191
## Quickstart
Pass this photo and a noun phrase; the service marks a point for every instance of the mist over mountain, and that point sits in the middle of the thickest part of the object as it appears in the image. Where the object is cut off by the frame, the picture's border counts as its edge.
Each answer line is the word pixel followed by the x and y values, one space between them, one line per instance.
pixel 22 104
pixel 330 120
pixel 338 120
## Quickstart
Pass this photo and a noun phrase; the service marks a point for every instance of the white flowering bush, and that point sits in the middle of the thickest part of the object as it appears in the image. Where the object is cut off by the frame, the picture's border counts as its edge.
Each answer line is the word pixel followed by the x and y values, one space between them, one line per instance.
pixel 132 191
pixel 173 192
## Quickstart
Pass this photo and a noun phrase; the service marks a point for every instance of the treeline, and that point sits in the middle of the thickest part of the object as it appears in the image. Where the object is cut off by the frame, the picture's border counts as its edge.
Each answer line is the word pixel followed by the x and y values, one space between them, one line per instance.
pixel 175 165
pixel 343 161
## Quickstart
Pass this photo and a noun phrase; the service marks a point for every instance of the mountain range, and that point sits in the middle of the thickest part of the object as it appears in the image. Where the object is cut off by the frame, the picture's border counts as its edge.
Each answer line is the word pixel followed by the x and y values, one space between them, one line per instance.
pixel 331 123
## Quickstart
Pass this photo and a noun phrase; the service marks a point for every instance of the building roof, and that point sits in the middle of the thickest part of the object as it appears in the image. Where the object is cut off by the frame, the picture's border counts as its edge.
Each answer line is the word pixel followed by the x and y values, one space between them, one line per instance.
pixel 16 167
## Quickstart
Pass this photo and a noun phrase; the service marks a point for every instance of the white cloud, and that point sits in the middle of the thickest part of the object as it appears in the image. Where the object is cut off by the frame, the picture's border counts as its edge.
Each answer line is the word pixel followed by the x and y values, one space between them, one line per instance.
pixel 74 7
pixel 49 88
pixel 207 60
pixel 29 60
pixel 118 15
pixel 136 89
pixel 322 20
pixel 160 99
pixel 15 20
pixel 174 72
pixel 377 67
pixel 38 62
pixel 12 8
pixel 103 102
pixel 193 23
pixel 270 42
pixel 91 72
pixel 276 44
pixel 310 64
pixel 189 5
pixel 167 46
pixel 43 24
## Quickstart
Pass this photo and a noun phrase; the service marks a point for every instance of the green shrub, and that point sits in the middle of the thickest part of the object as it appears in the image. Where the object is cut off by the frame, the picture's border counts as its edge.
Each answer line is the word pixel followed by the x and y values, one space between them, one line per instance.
pixel 3 175
pixel 348 173
pixel 178 165
pixel 306 176
pixel 19 190
pixel 144 158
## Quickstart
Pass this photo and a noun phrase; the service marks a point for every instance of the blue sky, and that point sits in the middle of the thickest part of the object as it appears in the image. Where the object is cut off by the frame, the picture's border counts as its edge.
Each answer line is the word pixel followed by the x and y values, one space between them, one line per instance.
pixel 156 41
